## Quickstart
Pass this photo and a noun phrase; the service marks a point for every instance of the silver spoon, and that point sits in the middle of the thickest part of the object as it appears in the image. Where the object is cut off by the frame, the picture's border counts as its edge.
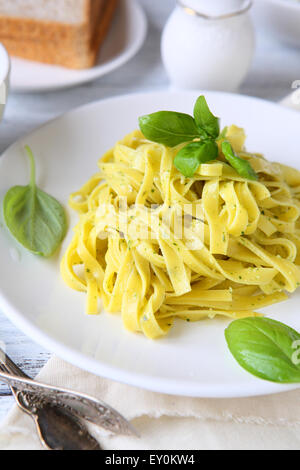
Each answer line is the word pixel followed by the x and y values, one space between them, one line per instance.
pixel 59 414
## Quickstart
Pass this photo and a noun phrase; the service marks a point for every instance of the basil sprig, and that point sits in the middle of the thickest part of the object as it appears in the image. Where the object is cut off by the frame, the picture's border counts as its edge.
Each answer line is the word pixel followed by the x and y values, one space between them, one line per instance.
pixel 205 119
pixel 240 165
pixel 192 155
pixel 34 218
pixel 171 129
pixel 266 348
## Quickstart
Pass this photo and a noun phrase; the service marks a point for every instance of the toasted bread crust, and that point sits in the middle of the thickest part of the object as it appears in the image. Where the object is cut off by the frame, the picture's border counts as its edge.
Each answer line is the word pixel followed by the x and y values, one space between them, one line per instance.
pixel 32 30
pixel 72 46
pixel 49 54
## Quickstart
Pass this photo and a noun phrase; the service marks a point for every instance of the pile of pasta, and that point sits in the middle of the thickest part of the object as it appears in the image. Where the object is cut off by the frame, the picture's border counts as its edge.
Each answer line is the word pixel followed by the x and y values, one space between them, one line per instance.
pixel 239 250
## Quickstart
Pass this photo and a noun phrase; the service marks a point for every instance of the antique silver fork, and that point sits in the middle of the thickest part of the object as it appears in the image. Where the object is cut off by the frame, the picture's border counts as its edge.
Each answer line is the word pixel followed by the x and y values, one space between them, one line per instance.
pixel 59 414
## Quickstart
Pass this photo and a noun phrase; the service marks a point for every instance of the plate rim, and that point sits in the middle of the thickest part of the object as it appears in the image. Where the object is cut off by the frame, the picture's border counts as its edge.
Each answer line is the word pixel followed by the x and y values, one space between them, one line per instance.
pixel 95 366
pixel 97 71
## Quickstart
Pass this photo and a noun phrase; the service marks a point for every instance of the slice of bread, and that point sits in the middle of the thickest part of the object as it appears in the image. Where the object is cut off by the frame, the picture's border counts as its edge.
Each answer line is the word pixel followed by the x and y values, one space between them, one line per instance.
pixel 69 36
pixel 61 11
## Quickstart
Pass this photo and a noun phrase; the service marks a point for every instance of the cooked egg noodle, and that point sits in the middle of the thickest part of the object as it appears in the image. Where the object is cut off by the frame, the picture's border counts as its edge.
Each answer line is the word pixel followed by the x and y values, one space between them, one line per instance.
pixel 238 251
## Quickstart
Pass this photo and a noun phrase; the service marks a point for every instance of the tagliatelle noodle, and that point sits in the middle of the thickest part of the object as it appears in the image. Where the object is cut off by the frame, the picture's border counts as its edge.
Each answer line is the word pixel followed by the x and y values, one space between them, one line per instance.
pixel 237 251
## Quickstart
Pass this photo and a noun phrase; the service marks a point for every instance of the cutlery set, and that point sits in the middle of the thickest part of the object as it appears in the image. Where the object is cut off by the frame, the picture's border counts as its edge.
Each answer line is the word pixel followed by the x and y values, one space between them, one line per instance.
pixel 60 415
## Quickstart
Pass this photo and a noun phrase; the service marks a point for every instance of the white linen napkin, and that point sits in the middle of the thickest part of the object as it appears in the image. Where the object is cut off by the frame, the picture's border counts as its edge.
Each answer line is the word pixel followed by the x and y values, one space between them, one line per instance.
pixel 169 422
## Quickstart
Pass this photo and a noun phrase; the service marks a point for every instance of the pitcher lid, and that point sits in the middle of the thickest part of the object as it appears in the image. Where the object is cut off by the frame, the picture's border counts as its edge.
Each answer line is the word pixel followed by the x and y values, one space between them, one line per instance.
pixel 215 9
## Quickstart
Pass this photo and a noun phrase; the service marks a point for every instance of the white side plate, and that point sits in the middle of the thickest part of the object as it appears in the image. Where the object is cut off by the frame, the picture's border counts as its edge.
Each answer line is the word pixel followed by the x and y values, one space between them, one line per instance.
pixel 124 40
pixel 193 360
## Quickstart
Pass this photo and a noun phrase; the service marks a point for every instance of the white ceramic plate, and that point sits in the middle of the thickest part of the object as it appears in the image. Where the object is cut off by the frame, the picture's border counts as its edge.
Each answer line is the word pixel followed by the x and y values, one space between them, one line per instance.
pixel 125 38
pixel 193 360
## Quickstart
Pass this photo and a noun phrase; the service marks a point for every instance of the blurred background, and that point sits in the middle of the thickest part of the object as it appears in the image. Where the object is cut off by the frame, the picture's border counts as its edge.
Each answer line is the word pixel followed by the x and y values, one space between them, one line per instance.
pixel 275 67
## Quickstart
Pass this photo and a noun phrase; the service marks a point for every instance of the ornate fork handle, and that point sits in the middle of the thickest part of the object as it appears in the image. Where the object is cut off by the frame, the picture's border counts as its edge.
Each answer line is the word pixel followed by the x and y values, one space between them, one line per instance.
pixel 59 412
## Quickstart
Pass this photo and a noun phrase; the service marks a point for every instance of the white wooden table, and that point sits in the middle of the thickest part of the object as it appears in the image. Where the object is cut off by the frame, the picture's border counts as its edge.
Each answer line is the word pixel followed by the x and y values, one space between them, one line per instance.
pixel 274 69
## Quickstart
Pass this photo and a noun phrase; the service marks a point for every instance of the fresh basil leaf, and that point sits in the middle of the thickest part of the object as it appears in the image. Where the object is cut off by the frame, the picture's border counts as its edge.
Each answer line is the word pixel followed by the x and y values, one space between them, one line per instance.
pixel 205 119
pixel 240 165
pixel 191 156
pixel 265 348
pixel 169 128
pixel 223 134
pixel 33 217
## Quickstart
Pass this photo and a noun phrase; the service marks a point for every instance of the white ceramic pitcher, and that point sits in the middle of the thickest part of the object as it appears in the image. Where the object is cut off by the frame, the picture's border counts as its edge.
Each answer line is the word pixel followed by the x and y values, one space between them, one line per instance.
pixel 208 44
